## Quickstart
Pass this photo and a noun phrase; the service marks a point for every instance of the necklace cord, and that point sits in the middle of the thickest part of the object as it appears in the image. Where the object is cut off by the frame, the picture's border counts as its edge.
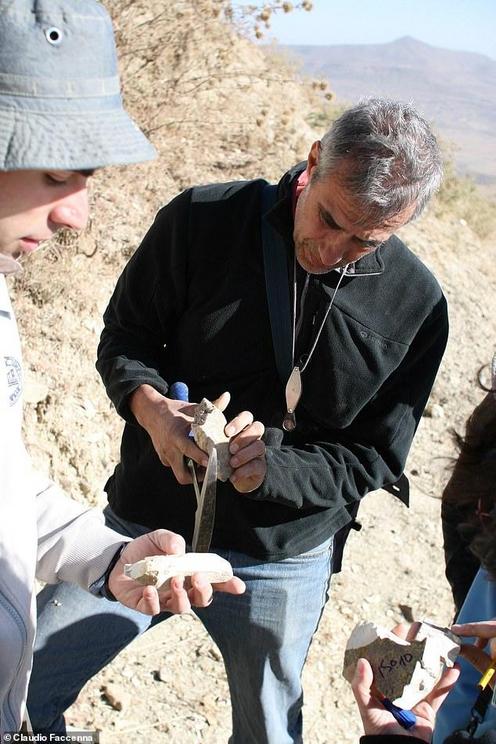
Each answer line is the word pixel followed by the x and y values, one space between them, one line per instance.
pixel 328 310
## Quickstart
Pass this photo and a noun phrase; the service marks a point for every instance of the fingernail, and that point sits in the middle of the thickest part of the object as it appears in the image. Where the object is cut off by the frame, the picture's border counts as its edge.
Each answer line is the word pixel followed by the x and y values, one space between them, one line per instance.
pixel 234 448
pixel 204 462
pixel 229 431
pixel 234 462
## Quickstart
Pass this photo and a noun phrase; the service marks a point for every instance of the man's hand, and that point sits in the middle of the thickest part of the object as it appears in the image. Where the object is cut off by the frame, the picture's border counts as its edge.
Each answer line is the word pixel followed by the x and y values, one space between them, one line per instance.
pixel 168 423
pixel 177 598
pixel 484 633
pixel 246 448
pixel 377 720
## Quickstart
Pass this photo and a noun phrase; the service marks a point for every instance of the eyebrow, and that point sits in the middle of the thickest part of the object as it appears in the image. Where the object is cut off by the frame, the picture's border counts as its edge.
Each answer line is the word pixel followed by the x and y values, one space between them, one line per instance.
pixel 331 222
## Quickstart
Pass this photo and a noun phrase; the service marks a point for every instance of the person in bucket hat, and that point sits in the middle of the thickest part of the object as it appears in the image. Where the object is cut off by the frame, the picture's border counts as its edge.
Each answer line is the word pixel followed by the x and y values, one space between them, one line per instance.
pixel 61 116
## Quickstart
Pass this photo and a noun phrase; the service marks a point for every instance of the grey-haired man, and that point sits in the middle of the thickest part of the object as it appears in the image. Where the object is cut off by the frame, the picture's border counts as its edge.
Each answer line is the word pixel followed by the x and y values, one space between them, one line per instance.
pixel 366 329
pixel 61 116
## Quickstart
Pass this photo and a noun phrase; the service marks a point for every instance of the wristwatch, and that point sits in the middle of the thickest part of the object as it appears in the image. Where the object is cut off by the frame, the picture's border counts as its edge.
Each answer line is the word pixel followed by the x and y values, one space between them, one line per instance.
pixel 100 587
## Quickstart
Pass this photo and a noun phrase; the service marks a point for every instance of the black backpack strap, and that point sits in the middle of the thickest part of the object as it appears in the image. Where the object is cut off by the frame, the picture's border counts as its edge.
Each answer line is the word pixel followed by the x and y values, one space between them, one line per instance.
pixel 277 286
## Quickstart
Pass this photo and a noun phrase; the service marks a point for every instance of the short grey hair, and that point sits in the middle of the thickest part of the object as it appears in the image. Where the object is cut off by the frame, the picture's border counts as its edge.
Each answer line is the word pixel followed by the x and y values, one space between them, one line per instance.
pixel 386 157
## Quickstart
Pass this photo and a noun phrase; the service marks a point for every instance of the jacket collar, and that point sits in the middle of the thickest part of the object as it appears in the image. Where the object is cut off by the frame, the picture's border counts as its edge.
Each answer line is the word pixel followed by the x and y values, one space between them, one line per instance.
pixel 281 218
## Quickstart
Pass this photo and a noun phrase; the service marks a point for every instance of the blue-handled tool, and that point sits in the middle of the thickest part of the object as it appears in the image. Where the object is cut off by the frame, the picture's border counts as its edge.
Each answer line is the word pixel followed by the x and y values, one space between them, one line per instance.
pixel 205 499
pixel 179 391
pixel 405 718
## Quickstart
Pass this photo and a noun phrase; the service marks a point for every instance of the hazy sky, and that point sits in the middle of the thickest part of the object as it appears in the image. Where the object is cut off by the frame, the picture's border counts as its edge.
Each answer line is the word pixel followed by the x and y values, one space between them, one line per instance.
pixel 468 25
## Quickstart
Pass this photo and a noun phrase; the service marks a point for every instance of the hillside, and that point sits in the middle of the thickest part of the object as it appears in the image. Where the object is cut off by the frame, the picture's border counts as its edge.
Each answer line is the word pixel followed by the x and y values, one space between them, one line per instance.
pixel 217 109
pixel 455 90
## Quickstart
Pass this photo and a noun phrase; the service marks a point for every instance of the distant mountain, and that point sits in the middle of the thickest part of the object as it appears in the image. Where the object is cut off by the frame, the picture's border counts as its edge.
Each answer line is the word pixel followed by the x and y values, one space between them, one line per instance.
pixel 454 90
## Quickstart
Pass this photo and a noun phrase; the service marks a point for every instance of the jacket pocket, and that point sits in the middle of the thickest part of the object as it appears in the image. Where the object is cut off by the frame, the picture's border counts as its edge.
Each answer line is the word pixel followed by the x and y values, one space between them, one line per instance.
pixel 350 365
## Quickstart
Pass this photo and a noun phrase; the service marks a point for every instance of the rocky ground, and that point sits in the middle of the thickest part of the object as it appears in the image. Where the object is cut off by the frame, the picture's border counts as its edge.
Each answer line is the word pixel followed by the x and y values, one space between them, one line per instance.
pixel 227 112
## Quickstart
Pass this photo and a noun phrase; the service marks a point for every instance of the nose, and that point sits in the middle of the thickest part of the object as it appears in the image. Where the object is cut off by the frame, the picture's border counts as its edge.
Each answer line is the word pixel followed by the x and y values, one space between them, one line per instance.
pixel 72 210
pixel 333 249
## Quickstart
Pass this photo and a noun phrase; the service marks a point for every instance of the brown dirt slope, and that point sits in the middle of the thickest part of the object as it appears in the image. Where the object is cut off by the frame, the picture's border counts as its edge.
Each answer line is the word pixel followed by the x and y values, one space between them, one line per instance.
pixel 218 109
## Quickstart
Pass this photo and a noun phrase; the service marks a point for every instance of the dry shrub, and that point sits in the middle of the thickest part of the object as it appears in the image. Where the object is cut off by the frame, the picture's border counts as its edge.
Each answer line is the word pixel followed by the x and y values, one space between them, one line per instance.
pixel 208 98
pixel 254 18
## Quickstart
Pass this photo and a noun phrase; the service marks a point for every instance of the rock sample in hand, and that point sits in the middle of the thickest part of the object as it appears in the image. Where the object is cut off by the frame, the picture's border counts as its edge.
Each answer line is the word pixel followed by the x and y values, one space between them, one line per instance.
pixel 158 570
pixel 208 431
pixel 404 671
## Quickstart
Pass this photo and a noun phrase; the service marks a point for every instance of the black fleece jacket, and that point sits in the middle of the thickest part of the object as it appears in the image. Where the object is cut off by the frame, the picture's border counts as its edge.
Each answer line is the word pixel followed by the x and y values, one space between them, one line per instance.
pixel 191 305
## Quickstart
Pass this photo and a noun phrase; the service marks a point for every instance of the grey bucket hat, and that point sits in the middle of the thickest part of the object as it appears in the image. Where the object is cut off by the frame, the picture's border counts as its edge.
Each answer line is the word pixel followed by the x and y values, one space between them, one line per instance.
pixel 60 102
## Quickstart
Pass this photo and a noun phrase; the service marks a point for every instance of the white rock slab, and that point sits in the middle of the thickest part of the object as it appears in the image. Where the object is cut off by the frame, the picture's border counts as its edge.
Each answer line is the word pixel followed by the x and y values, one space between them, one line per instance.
pixel 158 570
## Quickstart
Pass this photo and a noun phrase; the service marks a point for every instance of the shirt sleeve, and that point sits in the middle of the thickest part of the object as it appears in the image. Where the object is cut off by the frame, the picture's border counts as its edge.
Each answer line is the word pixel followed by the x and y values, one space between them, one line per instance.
pixel 136 331
pixel 73 542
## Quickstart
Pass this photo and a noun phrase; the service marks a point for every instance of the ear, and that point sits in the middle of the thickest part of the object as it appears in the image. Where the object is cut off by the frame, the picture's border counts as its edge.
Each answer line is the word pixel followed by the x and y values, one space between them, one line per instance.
pixel 313 158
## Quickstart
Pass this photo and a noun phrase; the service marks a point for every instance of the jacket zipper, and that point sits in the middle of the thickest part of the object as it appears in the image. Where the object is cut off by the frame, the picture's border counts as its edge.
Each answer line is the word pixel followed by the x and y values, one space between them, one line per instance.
pixel 22 629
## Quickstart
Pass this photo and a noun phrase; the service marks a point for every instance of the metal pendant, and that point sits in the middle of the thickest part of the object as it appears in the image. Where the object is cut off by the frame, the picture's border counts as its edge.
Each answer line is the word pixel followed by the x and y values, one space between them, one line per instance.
pixel 293 395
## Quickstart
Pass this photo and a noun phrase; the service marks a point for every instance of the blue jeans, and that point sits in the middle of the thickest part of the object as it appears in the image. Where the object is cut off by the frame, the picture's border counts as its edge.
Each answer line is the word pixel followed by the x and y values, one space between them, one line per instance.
pixel 263 635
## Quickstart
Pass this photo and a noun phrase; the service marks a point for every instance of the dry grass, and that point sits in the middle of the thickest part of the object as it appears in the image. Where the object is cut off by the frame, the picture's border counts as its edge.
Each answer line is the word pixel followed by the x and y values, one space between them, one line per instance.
pixel 460 195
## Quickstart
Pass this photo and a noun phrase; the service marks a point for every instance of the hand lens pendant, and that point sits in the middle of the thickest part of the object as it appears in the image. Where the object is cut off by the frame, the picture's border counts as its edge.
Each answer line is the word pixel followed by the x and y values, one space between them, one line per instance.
pixel 289 422
pixel 293 395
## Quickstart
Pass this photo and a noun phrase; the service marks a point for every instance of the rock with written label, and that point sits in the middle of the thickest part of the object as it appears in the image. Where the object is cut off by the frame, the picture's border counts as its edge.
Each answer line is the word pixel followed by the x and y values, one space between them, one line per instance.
pixel 404 671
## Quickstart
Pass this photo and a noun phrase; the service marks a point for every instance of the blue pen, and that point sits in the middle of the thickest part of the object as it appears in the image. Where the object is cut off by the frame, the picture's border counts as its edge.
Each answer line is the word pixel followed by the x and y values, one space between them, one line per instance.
pixel 179 391
pixel 405 718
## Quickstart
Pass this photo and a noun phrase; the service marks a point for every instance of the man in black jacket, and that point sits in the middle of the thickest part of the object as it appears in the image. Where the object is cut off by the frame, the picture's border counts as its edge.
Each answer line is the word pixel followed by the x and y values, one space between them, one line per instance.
pixel 366 334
